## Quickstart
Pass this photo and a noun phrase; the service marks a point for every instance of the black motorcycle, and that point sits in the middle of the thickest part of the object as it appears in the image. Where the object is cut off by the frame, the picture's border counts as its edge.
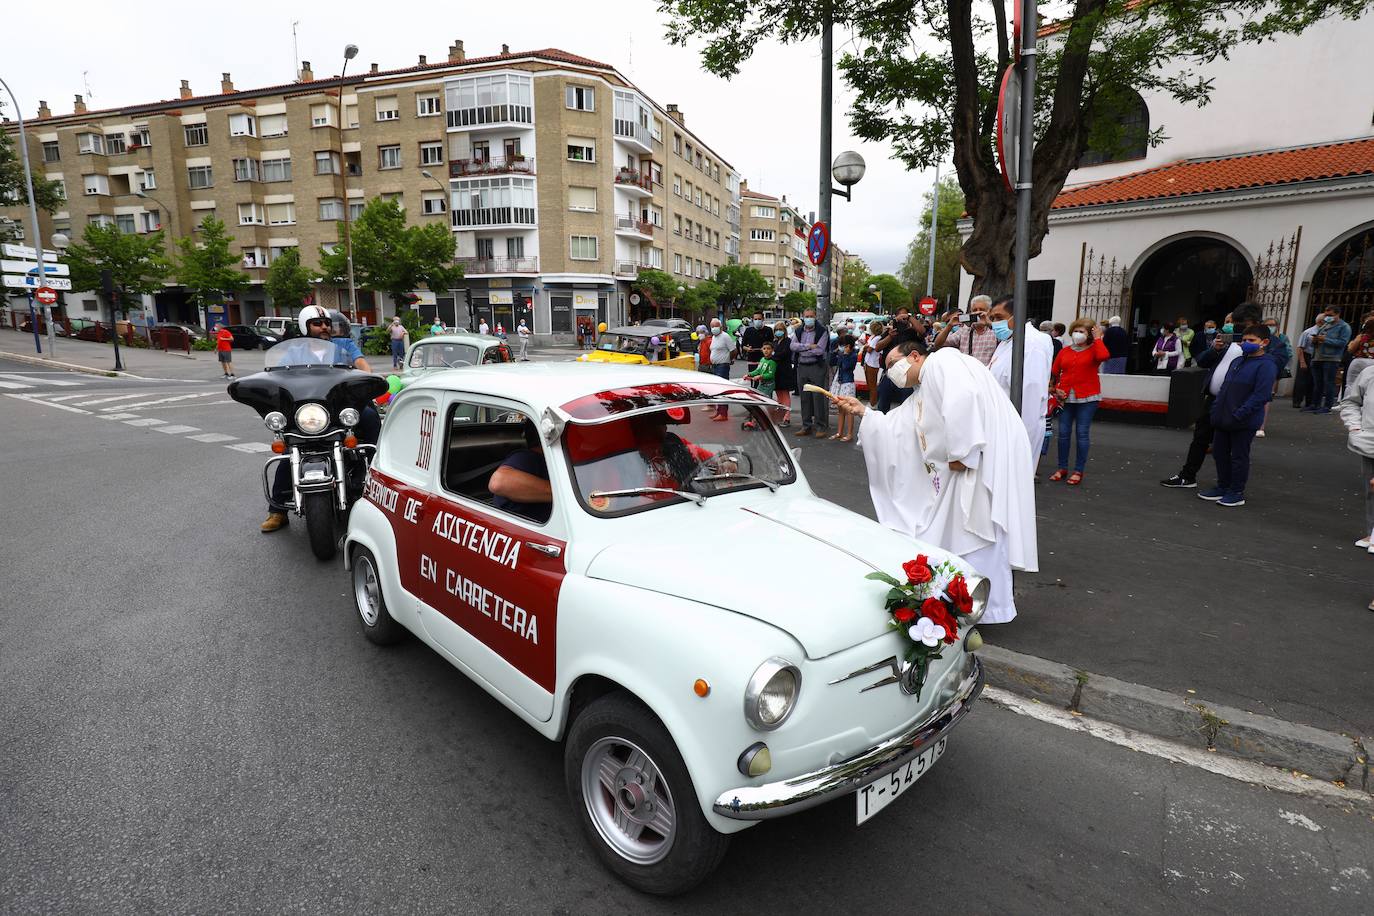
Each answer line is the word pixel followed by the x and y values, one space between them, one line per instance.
pixel 314 406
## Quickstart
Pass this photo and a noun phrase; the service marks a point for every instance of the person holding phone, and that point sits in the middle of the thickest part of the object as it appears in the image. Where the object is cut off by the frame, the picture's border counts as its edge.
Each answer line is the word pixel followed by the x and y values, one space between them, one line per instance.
pixel 972 334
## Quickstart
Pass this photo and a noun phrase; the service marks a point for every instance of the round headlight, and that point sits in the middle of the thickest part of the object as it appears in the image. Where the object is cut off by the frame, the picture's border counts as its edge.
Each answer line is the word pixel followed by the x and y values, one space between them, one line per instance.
pixel 275 421
pixel 348 417
pixel 980 600
pixel 312 419
pixel 772 693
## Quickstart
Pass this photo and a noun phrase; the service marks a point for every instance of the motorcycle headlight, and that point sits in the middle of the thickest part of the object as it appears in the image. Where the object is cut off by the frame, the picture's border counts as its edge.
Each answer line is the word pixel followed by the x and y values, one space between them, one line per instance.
pixel 348 417
pixel 772 693
pixel 275 421
pixel 312 419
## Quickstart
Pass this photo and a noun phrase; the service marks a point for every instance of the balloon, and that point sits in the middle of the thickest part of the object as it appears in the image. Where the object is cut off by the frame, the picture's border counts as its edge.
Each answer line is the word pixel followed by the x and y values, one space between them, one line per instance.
pixel 601 328
pixel 655 341
pixel 394 384
pixel 695 336
pixel 384 400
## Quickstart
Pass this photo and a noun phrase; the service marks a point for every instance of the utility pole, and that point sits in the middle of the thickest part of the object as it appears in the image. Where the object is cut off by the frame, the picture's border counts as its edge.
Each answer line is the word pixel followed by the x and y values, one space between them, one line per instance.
pixel 1026 154
pixel 824 187
pixel 934 211
pixel 33 221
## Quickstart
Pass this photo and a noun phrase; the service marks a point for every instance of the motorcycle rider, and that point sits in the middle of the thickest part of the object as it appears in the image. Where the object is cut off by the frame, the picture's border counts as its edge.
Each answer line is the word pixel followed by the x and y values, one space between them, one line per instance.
pixel 325 324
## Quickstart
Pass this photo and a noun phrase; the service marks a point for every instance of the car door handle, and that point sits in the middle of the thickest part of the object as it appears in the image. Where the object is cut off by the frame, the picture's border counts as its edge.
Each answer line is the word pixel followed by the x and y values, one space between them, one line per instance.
pixel 551 550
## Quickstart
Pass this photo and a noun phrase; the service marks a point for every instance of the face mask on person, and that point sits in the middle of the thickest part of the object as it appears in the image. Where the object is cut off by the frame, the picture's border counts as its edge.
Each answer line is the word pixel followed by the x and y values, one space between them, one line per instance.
pixel 809 322
pixel 1002 329
pixel 778 334
pixel 715 329
pixel 834 335
pixel 897 372
pixel 1328 319
pixel 1249 346
pixel 758 324
pixel 939 326
pixel 1183 326
pixel 1228 328
pixel 1209 330
pixel 1273 328
pixel 1079 338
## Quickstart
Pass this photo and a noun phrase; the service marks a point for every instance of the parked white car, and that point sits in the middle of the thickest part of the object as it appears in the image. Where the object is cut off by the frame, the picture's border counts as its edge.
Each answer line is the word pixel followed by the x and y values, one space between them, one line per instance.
pixel 610 610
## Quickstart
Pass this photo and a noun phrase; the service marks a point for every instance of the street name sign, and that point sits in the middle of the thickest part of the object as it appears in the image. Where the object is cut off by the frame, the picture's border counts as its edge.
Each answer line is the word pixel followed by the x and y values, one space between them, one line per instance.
pixel 14 282
pixel 25 252
pixel 23 267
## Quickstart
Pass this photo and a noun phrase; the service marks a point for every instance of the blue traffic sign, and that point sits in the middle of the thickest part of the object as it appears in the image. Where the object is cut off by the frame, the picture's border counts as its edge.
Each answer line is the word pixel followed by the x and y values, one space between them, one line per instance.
pixel 818 243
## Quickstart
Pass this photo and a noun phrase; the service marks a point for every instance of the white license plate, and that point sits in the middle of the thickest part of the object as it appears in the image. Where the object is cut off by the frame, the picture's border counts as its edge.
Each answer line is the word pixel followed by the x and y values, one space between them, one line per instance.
pixel 881 792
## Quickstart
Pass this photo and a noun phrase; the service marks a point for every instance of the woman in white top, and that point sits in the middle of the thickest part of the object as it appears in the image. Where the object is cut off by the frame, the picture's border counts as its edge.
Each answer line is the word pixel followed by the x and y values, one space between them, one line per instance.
pixel 872 360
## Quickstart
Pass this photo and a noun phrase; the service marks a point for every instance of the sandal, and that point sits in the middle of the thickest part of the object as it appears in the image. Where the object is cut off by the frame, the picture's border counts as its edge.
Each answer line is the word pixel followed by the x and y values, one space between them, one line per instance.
pixel 1058 475
pixel 1075 478
pixel 846 438
pixel 834 437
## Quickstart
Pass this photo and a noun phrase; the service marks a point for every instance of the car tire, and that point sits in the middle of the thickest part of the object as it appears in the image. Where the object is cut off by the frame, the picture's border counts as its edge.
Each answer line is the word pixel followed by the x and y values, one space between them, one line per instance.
pixel 631 792
pixel 378 624
pixel 319 524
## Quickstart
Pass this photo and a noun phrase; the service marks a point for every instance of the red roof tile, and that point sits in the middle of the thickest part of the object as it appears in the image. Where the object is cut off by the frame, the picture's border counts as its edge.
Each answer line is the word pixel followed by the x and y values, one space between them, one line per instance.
pixel 1230 173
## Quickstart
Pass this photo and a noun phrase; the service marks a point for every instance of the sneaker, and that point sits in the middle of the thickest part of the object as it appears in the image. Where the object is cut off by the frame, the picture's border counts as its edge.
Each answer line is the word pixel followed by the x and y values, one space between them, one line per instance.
pixel 1213 495
pixel 1231 500
pixel 1178 482
pixel 1259 434
pixel 275 522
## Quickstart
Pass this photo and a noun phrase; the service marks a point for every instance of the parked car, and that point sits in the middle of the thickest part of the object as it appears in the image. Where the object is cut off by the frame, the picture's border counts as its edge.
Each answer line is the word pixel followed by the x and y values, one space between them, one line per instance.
pixel 248 338
pixel 634 345
pixel 678 328
pixel 689 708
pixel 194 331
pixel 278 328
pixel 453 351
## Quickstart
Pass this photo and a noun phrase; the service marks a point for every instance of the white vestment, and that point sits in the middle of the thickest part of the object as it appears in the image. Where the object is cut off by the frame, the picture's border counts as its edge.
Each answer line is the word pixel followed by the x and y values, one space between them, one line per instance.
pixel 985 514
pixel 1035 382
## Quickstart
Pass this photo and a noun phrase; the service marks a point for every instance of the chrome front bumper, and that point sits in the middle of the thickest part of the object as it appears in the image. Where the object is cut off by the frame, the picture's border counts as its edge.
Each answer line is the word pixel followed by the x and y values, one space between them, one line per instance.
pixel 788 796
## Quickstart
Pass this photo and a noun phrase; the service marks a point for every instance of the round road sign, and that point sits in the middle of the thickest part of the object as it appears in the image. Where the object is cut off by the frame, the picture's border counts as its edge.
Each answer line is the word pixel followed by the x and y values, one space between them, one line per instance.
pixel 927 305
pixel 818 243
pixel 46 295
pixel 1009 126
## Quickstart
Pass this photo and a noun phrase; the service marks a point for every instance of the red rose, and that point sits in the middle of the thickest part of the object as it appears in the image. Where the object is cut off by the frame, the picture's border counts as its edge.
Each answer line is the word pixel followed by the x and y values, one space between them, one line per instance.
pixel 917 570
pixel 938 612
pixel 904 615
pixel 957 590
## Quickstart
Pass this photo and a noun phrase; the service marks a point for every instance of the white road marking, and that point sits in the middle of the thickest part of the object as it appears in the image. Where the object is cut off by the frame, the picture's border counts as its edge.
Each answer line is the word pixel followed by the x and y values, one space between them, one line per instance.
pixel 145 421
pixel 146 404
pixel 250 447
pixel 177 430
pixel 61 383
pixel 1230 767
pixel 34 400
pixel 140 407
pixel 118 397
pixel 14 386
pixel 211 437
pixel 108 416
pixel 68 397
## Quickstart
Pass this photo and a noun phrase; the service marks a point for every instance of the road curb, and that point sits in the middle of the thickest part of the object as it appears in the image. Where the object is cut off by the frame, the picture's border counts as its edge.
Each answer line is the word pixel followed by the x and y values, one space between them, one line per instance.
pixel 1187 720
pixel 35 360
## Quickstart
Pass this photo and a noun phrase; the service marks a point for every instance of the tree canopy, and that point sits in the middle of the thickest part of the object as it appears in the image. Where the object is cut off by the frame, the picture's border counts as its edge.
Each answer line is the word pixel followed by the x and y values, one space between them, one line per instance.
pixel 947 243
pixel 392 257
pixel 853 283
pixel 206 266
pixel 288 280
pixel 799 300
pixel 136 262
pixel 894 294
pixel 742 288
pixel 14 190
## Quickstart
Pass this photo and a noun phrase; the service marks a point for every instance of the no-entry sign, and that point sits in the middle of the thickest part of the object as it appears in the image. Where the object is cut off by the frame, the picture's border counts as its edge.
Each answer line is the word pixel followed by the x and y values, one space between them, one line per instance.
pixel 46 295
pixel 927 305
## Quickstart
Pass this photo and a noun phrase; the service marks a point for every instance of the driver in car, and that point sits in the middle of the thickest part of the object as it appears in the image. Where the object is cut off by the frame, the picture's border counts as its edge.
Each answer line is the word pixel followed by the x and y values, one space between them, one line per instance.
pixel 521 484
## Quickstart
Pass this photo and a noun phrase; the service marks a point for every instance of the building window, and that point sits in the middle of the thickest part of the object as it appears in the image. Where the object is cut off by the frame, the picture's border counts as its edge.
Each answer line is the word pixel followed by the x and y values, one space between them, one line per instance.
pixel 243 125
pixel 427 105
pixel 764 212
pixel 199 176
pixel 387 108
pixel 698 197
pixel 197 135
pixel 656 174
pixel 276 251
pixel 677 225
pixel 100 219
pixel 677 185
pixel 331 208
pixel 355 209
pixel 125 223
pixel 324 115
pixel 90 143
pixel 350 117
pixel 581 149
pixel 250 215
pixel 432 202
pixel 51 151
pixel 490 100
pixel 396 197
pixel 276 169
pixel 687 191
pixel 677 263
pixel 582 199
pixel 658 131
pixel 272 125
pixel 1127 140
pixel 677 144
pixel 147 180
pixel 493 202
pixel 61 184
pixel 254 257
pixel 515 246
pixel 761 235
pixel 688 154
pixel 583 248
pixel 246 170
pixel 152 221
pixel 281 214
pixel 432 153
pixel 114 144
pixel 388 157
pixel 326 162
pixel 581 98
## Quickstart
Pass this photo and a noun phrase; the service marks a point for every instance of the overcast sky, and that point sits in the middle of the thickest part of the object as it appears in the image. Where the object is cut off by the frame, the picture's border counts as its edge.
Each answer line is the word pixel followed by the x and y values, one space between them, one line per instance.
pixel 764 122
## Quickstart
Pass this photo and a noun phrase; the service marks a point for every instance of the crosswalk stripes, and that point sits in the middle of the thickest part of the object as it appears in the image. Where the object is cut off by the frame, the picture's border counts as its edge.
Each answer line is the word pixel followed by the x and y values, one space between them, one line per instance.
pixel 144 421
pixel 146 404
pixel 15 381
pixel 250 447
pixel 211 438
pixel 177 430
pixel 110 416
pixel 118 397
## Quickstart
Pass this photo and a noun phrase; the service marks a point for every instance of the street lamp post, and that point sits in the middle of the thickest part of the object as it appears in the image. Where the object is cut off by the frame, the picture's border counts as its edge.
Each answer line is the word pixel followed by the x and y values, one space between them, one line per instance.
pixel 1026 152
pixel 350 52
pixel 144 195
pixel 873 288
pixel 33 220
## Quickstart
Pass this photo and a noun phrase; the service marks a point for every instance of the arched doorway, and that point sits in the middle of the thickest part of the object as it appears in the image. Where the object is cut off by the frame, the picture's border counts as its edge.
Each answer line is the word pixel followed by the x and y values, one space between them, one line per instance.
pixel 1345 279
pixel 1197 278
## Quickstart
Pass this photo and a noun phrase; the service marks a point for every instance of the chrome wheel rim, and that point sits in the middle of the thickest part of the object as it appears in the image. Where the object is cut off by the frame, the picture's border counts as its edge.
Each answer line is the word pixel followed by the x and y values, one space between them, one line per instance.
pixel 366 590
pixel 628 800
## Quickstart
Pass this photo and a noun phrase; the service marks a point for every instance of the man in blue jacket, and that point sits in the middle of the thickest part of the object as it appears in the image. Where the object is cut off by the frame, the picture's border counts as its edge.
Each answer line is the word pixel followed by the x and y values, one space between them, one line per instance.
pixel 1236 413
pixel 1328 350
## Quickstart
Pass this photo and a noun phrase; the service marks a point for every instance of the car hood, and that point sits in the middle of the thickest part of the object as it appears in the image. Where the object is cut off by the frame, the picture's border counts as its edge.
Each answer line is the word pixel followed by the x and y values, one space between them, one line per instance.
pixel 796 563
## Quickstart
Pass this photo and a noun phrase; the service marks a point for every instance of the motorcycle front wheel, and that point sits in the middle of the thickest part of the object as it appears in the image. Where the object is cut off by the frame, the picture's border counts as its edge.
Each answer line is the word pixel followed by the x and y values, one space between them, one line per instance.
pixel 319 523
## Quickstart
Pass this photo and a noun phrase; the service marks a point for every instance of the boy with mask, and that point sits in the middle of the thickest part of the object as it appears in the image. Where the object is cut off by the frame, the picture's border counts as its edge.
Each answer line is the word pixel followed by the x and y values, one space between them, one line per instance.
pixel 1237 413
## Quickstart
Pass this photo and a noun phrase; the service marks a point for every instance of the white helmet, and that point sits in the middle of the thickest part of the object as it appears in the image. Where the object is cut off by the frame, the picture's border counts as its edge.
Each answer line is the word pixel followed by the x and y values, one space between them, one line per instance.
pixel 311 313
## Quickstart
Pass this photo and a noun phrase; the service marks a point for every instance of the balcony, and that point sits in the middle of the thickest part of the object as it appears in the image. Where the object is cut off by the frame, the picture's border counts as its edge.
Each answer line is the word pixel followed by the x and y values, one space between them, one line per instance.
pixel 634 182
pixel 499 265
pixel 632 268
pixel 633 133
pixel 634 227
pixel 798 273
pixel 493 216
pixel 497 165
pixel 483 115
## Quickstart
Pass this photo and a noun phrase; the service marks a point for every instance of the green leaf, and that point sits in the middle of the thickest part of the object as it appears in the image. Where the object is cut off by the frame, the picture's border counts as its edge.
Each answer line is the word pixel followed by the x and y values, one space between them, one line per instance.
pixel 883 577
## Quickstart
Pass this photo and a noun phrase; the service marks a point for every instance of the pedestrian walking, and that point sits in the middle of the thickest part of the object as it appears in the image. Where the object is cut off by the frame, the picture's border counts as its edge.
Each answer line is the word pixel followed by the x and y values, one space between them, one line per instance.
pixel 523 332
pixel 400 339
pixel 811 346
pixel 224 349
pixel 1357 413
pixel 1118 344
pixel 483 328
pixel 1237 414
pixel 722 359
pixel 1076 383
pixel 846 361
pixel 786 379
pixel 1329 345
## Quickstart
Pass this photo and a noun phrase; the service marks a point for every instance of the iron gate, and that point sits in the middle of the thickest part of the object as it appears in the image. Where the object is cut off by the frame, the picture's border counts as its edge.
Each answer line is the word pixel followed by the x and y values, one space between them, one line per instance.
pixel 1102 290
pixel 1272 282
pixel 1345 279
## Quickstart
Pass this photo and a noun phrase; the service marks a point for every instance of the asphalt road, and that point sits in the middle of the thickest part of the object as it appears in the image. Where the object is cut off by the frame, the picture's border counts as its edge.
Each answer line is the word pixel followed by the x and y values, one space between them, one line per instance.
pixel 193 723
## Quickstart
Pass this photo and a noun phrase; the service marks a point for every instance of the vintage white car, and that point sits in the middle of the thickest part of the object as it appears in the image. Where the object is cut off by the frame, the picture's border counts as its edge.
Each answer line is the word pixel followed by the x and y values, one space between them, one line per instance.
pixel 621 607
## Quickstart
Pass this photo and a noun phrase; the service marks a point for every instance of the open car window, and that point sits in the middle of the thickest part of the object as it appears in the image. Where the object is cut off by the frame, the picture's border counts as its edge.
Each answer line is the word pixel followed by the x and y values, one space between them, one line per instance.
pixel 479 441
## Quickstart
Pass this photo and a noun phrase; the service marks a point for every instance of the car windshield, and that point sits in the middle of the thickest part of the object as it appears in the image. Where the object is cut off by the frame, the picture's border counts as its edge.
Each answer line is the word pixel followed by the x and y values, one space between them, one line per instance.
pixel 618 344
pixel 304 351
pixel 442 355
pixel 674 454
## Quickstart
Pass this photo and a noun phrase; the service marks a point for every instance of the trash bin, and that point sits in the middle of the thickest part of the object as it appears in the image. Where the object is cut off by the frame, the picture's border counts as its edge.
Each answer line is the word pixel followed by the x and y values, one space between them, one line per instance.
pixel 1186 396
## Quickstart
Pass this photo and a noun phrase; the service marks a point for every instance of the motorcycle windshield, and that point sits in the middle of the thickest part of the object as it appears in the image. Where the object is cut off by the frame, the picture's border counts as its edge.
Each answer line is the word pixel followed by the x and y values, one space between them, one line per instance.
pixel 304 351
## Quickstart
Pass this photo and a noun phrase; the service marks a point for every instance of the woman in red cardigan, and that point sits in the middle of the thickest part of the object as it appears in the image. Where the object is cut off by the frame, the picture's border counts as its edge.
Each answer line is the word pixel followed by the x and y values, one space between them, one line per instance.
pixel 1076 384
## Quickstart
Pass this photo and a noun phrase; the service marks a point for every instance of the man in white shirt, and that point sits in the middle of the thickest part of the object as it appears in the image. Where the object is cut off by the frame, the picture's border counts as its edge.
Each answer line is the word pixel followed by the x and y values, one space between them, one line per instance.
pixel 524 333
pixel 722 359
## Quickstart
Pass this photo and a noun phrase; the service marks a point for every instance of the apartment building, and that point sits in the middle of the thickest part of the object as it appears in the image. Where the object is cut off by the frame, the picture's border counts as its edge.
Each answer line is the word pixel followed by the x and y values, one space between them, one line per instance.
pixel 560 179
pixel 773 237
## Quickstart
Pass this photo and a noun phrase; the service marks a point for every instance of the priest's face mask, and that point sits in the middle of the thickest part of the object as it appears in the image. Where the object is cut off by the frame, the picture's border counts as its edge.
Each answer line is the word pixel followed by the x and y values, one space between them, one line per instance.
pixel 904 371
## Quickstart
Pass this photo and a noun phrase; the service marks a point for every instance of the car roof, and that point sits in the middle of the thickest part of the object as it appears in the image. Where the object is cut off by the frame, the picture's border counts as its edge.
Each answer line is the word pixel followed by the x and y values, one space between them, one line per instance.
pixel 485 340
pixel 542 385
pixel 656 330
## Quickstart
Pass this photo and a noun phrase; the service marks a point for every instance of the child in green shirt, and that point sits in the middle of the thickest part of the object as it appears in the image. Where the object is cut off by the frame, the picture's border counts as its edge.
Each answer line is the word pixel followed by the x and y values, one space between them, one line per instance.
pixel 765 375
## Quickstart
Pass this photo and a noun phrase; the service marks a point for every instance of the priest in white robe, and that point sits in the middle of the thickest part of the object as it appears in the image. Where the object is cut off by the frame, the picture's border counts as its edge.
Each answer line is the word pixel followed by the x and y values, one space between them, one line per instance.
pixel 1035 375
pixel 951 467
